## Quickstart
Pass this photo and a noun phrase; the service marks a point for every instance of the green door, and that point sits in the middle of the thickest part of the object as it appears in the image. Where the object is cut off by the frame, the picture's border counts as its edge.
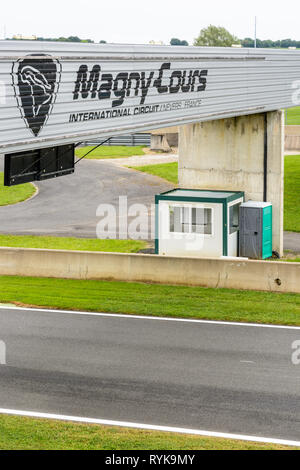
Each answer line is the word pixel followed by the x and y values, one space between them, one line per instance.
pixel 267 245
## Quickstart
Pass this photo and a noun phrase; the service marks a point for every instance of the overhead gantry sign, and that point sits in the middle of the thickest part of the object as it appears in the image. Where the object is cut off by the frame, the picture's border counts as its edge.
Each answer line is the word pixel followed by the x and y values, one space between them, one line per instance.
pixel 56 94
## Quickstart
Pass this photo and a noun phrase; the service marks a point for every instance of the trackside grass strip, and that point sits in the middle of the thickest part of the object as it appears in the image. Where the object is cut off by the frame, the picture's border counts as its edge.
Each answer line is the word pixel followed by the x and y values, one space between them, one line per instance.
pixel 18 433
pixel 152 299
pixel 72 243
pixel 14 194
pixel 106 152
pixel 292 193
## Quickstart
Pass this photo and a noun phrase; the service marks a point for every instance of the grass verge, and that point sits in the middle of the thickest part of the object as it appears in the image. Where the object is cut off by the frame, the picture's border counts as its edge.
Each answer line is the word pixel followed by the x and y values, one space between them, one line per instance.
pixel 293 116
pixel 292 193
pixel 14 194
pixel 167 171
pixel 152 300
pixel 109 152
pixel 18 433
pixel 77 244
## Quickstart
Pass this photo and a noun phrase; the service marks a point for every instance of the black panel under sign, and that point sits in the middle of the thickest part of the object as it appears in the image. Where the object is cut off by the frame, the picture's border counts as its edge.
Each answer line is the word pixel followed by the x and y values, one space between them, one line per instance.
pixel 38 165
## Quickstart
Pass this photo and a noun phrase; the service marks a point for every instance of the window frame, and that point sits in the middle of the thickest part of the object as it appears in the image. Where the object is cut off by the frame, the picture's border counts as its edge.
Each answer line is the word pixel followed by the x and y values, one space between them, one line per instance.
pixel 190 223
pixel 231 208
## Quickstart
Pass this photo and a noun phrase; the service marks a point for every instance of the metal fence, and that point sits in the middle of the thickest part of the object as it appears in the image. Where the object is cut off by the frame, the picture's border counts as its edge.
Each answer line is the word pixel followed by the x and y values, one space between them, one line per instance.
pixel 133 140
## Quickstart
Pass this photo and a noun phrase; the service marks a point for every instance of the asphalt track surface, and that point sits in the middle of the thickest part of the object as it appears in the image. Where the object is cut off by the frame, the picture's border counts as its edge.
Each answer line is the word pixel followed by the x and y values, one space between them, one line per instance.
pixel 198 375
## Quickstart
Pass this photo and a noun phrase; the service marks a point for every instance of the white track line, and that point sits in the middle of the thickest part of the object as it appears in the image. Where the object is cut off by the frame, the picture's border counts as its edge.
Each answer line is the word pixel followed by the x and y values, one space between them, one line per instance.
pixel 150 427
pixel 142 317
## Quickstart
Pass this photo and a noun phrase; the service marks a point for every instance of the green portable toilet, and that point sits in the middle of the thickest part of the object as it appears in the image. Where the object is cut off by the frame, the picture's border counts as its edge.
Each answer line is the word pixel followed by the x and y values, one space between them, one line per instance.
pixel 256 233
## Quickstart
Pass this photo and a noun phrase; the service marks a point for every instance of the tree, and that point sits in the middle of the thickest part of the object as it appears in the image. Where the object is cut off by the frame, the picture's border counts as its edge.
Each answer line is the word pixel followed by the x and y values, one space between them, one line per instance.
pixel 248 42
pixel 74 39
pixel 268 43
pixel 64 39
pixel 178 42
pixel 215 36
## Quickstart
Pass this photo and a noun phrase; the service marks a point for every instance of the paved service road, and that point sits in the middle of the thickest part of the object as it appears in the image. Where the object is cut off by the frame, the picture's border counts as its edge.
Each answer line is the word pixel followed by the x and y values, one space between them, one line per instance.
pixel 236 379
pixel 67 205
pixel 292 241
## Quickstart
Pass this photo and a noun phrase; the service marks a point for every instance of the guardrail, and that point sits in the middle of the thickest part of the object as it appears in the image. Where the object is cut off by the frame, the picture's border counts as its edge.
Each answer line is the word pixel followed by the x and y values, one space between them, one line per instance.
pixel 133 140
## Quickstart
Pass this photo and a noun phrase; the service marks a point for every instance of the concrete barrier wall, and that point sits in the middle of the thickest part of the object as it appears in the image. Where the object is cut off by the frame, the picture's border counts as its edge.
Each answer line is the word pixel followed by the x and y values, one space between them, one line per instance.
pixel 292 138
pixel 292 142
pixel 238 274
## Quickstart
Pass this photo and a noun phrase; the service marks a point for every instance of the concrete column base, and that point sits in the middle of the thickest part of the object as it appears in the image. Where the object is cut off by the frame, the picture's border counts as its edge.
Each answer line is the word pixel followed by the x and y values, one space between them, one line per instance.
pixel 228 154
pixel 160 142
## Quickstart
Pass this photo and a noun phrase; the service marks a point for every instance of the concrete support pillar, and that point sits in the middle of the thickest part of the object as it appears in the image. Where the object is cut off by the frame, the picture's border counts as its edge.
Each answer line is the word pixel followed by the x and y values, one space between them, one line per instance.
pixel 230 154
pixel 164 139
pixel 160 142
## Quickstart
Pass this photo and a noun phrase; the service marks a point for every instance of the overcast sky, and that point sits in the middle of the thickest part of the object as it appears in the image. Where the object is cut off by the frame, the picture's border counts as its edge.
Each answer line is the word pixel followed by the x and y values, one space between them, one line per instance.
pixel 139 21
